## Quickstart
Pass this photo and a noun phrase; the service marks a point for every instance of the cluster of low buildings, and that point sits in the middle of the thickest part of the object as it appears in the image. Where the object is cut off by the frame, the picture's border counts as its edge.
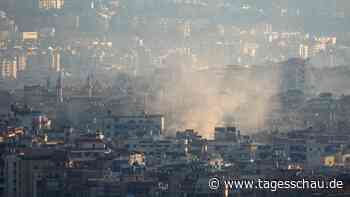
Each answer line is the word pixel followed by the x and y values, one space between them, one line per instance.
pixel 135 158
pixel 77 78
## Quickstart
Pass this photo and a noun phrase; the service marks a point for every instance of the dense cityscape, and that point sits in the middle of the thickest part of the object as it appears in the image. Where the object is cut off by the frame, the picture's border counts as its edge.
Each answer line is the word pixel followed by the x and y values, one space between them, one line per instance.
pixel 158 98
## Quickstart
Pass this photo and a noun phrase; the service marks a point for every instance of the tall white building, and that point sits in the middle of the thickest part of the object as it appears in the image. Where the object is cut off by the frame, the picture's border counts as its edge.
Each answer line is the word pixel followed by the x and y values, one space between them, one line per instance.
pixel 55 60
pixel 303 51
pixel 8 68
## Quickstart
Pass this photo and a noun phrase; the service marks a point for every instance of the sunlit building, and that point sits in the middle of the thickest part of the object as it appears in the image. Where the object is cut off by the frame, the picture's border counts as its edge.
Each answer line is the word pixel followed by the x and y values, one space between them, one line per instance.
pixel 8 68
pixel 304 51
pixel 55 60
pixel 51 4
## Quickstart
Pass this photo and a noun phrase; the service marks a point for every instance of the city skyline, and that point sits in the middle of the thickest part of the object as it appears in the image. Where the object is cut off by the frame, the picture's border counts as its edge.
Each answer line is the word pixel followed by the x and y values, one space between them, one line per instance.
pixel 152 98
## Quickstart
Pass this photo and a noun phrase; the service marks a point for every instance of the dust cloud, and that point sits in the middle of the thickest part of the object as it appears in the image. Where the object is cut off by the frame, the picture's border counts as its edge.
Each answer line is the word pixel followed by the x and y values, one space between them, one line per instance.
pixel 203 99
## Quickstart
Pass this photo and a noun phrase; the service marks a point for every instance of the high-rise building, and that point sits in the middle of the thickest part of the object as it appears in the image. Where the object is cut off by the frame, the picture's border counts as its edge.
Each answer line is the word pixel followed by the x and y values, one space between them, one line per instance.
pixel 11 163
pixel 51 4
pixel 8 68
pixel 25 172
pixel 21 61
pixel 55 60
pixel 304 51
pixel 59 88
pixel 292 74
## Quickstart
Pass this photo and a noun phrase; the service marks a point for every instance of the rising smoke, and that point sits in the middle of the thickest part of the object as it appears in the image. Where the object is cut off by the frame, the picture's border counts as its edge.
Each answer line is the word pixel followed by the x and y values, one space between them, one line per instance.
pixel 204 99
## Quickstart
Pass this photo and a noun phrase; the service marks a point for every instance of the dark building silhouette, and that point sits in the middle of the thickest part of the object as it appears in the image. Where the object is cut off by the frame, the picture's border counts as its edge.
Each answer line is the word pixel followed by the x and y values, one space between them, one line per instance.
pixel 292 75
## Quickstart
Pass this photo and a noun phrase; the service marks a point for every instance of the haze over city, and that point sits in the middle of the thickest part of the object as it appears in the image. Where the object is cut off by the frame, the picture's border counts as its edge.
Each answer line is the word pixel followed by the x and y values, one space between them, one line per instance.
pixel 158 97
